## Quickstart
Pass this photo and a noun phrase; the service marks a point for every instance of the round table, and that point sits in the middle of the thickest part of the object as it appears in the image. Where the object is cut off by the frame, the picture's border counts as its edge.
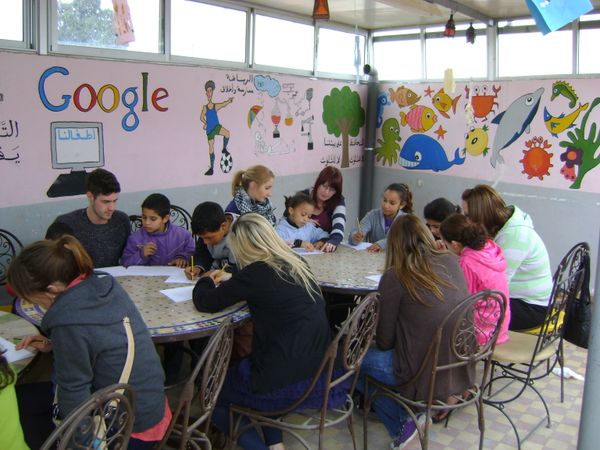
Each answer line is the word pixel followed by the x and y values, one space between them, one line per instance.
pixel 167 321
pixel 14 328
pixel 345 271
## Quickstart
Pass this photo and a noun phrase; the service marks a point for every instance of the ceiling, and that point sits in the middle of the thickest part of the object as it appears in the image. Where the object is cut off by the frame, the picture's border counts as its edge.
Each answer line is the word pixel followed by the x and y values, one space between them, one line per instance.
pixel 381 14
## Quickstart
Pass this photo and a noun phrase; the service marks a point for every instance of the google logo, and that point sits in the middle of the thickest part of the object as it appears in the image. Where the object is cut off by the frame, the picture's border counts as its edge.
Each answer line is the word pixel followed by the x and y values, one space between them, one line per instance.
pixel 107 98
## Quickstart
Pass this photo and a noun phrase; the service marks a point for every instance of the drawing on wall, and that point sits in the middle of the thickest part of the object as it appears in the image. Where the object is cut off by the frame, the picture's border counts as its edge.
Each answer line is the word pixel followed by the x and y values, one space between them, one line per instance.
pixel 420 118
pixel 563 88
pixel 403 96
pixel 476 141
pixel 9 129
pixel 306 130
pixel 513 122
pixel 481 102
pixel 580 155
pixel 382 102
pixel 440 132
pixel 344 116
pixel 387 152
pixel 210 123
pixel 536 160
pixel 421 152
pixel 253 113
pixel 443 103
pixel 74 146
pixel 558 124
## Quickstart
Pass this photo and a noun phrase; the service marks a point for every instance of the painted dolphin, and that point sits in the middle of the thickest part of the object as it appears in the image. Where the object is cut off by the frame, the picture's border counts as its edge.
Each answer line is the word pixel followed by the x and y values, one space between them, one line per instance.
pixel 421 152
pixel 513 122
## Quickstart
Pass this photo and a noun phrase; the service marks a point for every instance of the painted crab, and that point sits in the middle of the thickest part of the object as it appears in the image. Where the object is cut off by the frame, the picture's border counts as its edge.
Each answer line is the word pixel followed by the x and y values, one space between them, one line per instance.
pixel 482 102
pixel 536 160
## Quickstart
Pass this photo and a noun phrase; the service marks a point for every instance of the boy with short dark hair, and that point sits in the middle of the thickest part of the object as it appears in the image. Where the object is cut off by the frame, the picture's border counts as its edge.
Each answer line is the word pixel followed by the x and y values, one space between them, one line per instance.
pixel 211 225
pixel 158 242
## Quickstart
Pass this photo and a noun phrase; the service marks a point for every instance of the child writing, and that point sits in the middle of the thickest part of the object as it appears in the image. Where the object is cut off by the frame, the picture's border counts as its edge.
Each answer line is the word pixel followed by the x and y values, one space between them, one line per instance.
pixel 396 201
pixel 296 228
pixel 212 226
pixel 483 263
pixel 158 242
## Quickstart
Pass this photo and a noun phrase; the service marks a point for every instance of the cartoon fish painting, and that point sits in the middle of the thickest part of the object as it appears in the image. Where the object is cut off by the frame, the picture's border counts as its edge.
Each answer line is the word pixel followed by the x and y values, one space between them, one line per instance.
pixel 421 152
pixel 420 118
pixel 556 125
pixel 403 96
pixel 382 101
pixel 443 102
pixel 513 122
pixel 566 90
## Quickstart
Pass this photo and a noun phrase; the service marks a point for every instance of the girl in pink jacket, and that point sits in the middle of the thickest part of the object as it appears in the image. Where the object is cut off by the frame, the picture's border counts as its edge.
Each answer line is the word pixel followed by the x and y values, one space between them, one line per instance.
pixel 484 266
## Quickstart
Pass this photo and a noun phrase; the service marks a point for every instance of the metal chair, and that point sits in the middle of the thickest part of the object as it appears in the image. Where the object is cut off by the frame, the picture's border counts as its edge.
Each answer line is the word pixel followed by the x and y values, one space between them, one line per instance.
pixel 347 350
pixel 135 222
pixel 201 389
pixel 180 217
pixel 526 358
pixel 9 247
pixel 103 421
pixel 462 353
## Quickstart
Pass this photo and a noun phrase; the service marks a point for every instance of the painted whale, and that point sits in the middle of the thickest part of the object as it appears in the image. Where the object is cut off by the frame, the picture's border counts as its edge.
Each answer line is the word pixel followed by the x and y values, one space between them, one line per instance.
pixel 421 152
pixel 513 122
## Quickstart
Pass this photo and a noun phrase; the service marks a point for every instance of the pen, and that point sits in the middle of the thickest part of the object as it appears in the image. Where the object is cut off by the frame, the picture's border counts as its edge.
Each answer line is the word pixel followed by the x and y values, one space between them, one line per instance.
pixel 358 225
pixel 222 269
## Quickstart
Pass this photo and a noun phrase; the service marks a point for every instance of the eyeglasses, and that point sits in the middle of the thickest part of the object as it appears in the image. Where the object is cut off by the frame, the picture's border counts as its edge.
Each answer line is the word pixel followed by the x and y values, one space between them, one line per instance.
pixel 326 187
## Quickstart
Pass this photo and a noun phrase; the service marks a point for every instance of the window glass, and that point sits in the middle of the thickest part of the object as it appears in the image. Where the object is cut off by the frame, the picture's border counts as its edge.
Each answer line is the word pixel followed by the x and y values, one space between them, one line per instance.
pixel 206 31
pixel 521 54
pixel 11 20
pixel 466 60
pixel 336 52
pixel 398 60
pixel 588 51
pixel 89 23
pixel 283 43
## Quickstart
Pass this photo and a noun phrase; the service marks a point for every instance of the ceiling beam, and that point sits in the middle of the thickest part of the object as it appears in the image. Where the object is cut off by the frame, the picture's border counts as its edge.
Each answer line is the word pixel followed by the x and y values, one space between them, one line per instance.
pixel 463 9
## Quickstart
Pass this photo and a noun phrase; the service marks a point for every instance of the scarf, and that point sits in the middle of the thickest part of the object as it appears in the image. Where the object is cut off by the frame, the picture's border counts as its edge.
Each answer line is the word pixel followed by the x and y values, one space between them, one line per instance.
pixel 245 205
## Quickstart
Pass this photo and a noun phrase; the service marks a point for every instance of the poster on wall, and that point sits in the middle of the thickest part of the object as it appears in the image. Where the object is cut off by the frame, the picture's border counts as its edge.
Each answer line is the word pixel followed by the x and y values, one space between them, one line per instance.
pixel 543 133
pixel 159 126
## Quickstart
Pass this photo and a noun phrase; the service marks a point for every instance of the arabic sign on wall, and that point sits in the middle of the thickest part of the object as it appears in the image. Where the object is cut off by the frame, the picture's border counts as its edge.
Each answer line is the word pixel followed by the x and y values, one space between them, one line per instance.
pixel 541 133
pixel 161 127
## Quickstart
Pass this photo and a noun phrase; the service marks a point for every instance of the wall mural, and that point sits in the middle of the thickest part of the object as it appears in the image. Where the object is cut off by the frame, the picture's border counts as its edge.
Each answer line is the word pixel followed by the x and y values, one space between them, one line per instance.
pixel 162 127
pixel 541 133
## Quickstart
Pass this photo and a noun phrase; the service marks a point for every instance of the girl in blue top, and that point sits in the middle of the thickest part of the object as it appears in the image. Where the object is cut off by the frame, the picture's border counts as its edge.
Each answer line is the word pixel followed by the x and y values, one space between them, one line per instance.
pixel 296 228
pixel 396 201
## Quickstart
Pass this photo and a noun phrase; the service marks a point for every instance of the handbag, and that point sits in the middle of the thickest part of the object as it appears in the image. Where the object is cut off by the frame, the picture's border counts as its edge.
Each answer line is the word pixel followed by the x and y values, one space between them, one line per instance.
pixel 99 430
pixel 578 317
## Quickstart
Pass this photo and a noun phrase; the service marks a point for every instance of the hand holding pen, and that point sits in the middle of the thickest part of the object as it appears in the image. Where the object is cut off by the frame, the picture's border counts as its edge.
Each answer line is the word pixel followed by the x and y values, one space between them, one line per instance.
pixel 192 272
pixel 358 236
pixel 219 276
pixel 41 343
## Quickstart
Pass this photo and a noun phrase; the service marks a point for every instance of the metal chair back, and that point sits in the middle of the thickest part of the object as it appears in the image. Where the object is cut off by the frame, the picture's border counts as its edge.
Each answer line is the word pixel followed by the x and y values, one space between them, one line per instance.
pixel 180 217
pixel 10 246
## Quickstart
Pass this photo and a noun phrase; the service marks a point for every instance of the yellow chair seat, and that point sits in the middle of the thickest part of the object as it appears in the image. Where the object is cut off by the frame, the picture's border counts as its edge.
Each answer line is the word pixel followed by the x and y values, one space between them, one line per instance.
pixel 536 330
pixel 519 348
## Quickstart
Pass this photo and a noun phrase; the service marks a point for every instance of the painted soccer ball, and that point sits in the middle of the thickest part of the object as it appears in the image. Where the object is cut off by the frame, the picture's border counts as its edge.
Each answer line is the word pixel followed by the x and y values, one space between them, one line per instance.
pixel 226 162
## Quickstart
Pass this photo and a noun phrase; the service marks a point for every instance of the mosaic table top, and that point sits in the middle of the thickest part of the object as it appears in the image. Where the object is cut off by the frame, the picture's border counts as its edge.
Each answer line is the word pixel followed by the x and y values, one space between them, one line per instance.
pixel 13 328
pixel 167 321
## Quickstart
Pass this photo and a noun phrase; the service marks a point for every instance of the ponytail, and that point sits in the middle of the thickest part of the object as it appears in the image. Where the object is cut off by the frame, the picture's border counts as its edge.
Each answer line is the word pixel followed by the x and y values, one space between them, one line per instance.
pixel 242 178
pixel 49 261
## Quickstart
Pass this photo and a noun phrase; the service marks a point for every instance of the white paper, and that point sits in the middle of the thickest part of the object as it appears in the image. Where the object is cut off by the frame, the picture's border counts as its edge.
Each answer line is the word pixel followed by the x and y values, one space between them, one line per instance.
pixel 302 251
pixel 180 294
pixel 152 271
pixel 115 271
pixel 359 246
pixel 13 355
pixel 180 277
pixel 375 278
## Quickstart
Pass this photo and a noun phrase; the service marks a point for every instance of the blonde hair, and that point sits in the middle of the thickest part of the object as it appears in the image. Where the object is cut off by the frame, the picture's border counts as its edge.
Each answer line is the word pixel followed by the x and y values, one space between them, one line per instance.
pixel 242 178
pixel 252 238
pixel 410 253
pixel 49 261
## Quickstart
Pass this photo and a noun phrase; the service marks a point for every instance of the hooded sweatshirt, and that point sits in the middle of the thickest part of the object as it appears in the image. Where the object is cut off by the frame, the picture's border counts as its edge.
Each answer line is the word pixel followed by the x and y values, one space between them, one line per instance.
pixel 528 264
pixel 486 269
pixel 85 324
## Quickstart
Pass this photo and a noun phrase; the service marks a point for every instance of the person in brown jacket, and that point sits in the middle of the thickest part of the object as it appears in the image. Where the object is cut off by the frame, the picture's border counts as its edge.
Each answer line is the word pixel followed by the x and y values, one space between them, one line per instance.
pixel 418 289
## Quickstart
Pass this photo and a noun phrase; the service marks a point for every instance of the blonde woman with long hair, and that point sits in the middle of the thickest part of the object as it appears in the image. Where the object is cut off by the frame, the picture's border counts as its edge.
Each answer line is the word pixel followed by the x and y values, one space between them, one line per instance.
pixel 291 331
pixel 251 190
pixel 419 287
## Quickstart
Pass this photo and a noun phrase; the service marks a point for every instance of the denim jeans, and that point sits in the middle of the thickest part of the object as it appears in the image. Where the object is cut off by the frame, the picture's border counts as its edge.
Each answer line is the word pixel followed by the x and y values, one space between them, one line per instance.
pixel 379 364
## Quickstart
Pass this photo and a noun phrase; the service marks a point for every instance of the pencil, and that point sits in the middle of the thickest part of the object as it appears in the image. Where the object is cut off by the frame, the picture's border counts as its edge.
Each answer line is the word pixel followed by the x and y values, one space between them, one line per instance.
pixel 222 269
pixel 358 225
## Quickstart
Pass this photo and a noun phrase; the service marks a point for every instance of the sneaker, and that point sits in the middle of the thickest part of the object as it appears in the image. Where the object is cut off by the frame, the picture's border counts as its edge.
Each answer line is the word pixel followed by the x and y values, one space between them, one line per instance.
pixel 209 171
pixel 407 433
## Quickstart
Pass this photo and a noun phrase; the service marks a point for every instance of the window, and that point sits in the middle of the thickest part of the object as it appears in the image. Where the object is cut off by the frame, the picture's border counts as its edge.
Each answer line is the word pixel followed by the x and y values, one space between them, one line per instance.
pixel 11 20
pixel 206 31
pixel 336 52
pixel 532 53
pixel 398 60
pixel 466 60
pixel 89 23
pixel 283 43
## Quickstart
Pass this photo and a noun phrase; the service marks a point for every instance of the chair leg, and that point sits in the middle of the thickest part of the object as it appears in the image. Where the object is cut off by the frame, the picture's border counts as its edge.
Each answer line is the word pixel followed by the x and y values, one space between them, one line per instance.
pixel 350 423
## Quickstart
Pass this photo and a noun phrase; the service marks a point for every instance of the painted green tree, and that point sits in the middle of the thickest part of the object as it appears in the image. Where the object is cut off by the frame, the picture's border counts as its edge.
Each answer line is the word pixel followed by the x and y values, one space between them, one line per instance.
pixel 588 145
pixel 84 22
pixel 344 116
